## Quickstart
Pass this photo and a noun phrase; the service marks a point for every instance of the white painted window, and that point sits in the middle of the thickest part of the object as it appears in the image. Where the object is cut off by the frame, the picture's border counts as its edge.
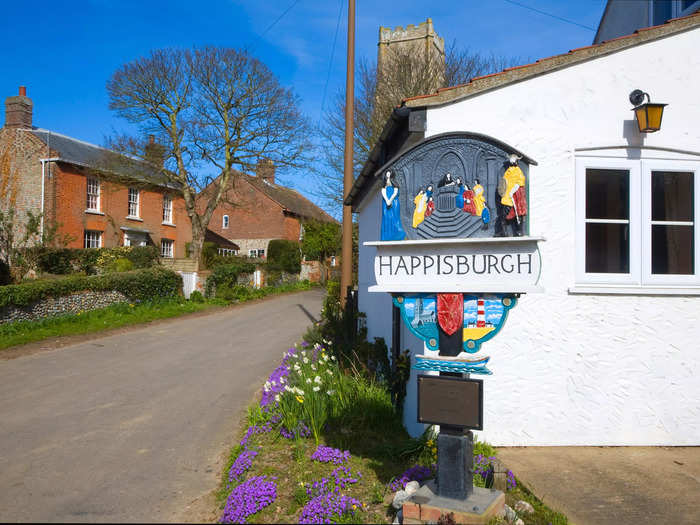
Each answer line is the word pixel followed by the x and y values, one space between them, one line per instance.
pixel 133 202
pixel 224 222
pixel 167 209
pixel 93 194
pixel 661 11
pixel 333 260
pixel 261 254
pixel 635 223
pixel 92 239
pixel 166 247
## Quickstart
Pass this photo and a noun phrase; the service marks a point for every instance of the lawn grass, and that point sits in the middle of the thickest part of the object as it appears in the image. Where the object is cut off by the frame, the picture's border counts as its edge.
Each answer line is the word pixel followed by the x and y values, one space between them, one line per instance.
pixel 119 315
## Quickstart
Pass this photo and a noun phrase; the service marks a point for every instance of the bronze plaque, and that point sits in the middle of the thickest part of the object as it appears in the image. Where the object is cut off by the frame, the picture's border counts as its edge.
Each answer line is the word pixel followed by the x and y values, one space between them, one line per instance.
pixel 444 400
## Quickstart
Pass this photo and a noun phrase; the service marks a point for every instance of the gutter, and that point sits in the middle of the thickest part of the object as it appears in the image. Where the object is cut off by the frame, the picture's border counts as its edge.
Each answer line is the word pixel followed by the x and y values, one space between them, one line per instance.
pixel 43 191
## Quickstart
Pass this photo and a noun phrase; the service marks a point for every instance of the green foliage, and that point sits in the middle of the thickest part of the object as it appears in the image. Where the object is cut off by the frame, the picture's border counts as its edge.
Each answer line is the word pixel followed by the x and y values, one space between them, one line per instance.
pixel 226 275
pixel 197 297
pixel 209 254
pixel 5 276
pixel 320 240
pixel 283 255
pixel 63 261
pixel 140 285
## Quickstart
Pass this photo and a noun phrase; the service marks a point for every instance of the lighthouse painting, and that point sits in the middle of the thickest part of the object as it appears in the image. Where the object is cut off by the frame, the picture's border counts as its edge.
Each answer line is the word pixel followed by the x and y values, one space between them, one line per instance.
pixel 484 315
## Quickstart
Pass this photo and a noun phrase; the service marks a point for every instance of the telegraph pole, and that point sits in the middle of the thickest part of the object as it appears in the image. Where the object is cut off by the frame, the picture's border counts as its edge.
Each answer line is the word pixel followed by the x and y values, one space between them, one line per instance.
pixel 346 254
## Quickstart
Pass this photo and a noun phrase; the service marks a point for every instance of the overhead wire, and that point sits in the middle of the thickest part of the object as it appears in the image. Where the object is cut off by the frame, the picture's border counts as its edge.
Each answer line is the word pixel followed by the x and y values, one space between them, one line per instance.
pixel 330 61
pixel 557 17
pixel 279 18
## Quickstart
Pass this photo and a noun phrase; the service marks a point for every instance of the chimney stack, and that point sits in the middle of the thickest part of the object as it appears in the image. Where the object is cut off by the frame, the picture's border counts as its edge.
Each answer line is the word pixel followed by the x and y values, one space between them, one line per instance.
pixel 154 152
pixel 265 169
pixel 18 110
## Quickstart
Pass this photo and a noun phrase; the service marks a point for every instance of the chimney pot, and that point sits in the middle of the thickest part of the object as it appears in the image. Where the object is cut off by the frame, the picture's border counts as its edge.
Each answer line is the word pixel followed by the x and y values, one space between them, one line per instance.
pixel 265 169
pixel 23 91
pixel 18 110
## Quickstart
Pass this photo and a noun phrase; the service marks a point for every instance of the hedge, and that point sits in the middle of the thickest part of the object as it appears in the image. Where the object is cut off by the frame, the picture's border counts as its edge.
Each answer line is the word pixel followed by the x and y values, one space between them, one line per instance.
pixel 284 255
pixel 62 261
pixel 227 274
pixel 138 285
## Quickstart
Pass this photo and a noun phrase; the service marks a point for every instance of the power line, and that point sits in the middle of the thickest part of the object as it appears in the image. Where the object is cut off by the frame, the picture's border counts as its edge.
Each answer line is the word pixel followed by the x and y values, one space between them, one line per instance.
pixel 279 17
pixel 550 15
pixel 330 62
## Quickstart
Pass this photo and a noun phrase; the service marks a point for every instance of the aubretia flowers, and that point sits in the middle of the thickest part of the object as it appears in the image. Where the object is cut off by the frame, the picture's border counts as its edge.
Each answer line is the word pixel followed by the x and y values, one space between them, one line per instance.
pixel 328 507
pixel 248 498
pixel 241 465
pixel 325 454
pixel 415 473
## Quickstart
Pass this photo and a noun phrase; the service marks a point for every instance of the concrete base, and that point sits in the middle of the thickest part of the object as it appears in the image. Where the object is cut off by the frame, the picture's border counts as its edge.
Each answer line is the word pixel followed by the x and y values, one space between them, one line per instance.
pixel 425 506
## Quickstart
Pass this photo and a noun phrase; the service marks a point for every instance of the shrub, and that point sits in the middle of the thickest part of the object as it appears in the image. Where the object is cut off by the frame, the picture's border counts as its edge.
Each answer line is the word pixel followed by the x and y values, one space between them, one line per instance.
pixel 5 275
pixel 196 297
pixel 121 265
pixel 57 261
pixel 227 274
pixel 62 261
pixel 284 255
pixel 139 285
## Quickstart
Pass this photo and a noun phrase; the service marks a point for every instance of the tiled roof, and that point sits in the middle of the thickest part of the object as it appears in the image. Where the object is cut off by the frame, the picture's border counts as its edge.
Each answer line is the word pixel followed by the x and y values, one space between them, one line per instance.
pixel 221 242
pixel 84 154
pixel 289 199
pixel 547 65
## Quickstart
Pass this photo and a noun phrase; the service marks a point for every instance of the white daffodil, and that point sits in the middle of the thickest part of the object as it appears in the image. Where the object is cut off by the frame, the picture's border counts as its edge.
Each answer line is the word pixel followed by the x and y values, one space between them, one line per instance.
pixel 297 367
pixel 329 372
pixel 317 379
pixel 306 360
pixel 333 357
pixel 331 392
pixel 313 367
pixel 277 398
pixel 317 388
pixel 308 380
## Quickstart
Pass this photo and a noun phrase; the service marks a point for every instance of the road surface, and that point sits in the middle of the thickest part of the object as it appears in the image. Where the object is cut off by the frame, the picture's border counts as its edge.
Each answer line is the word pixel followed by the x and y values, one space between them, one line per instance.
pixel 131 427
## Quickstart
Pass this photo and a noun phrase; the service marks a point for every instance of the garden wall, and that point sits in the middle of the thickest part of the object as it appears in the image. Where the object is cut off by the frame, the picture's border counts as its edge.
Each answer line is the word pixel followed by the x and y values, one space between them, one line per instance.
pixel 53 306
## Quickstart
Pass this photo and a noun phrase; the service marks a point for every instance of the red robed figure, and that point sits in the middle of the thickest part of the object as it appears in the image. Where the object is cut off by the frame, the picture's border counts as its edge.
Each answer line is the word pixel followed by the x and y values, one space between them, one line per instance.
pixel 450 311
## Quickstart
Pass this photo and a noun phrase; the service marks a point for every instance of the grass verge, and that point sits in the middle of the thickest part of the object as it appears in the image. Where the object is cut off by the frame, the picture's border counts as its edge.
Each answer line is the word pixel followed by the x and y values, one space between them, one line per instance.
pixel 119 315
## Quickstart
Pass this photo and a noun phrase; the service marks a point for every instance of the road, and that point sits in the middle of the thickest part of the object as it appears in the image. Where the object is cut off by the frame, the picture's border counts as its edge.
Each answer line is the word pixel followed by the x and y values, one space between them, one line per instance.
pixel 132 427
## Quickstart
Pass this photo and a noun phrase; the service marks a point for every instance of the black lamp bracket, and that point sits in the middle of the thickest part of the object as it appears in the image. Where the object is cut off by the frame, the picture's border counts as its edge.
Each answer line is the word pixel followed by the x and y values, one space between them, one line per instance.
pixel 637 97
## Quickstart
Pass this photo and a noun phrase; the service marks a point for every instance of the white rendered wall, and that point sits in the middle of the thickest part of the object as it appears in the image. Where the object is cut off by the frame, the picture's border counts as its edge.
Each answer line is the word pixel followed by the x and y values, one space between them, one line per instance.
pixel 579 369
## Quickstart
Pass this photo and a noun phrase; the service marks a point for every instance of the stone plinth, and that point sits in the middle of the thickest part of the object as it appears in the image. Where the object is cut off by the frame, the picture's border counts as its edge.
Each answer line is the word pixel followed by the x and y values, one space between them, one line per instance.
pixel 425 506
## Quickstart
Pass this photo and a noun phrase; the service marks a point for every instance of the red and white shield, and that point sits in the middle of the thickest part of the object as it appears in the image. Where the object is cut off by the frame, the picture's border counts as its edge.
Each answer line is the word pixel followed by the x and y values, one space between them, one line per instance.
pixel 450 311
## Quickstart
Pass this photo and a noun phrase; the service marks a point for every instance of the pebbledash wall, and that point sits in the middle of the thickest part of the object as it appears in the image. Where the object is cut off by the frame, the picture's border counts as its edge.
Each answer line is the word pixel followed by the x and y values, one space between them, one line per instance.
pixel 571 367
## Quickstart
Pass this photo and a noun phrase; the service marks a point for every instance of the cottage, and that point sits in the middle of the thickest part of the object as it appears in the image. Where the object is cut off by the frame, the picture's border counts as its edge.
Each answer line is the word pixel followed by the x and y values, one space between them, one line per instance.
pixel 607 353
pixel 257 209
pixel 95 197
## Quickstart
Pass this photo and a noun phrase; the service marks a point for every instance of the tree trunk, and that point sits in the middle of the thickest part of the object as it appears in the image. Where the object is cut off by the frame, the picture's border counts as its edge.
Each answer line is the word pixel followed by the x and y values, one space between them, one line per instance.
pixel 196 245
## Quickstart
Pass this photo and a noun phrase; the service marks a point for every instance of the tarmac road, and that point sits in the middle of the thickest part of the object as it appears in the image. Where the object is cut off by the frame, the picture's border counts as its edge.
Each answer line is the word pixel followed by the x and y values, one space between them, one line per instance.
pixel 131 427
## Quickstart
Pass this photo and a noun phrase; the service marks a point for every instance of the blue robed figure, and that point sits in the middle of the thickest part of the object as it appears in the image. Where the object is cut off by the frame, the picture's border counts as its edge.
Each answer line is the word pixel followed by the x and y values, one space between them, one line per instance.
pixel 391 212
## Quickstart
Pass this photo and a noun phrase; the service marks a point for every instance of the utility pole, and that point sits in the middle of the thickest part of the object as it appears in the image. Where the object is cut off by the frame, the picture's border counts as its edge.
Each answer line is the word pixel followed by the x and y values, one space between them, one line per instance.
pixel 346 254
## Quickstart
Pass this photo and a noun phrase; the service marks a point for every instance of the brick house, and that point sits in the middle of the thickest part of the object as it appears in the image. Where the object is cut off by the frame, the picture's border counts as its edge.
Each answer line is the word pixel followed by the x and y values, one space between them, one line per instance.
pixel 94 206
pixel 257 210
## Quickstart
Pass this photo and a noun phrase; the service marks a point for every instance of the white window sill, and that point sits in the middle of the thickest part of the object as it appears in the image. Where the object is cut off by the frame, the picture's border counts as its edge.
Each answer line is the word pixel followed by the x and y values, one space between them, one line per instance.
pixel 599 289
pixel 132 218
pixel 168 224
pixel 94 212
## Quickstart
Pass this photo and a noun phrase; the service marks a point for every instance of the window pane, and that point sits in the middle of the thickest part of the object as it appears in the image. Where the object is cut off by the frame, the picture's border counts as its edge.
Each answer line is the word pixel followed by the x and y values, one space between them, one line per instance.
pixel 671 196
pixel 672 249
pixel 607 194
pixel 607 248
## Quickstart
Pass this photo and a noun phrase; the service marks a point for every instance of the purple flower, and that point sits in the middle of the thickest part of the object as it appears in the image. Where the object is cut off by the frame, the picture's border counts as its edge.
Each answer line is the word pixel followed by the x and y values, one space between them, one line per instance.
pixel 415 473
pixel 325 454
pixel 242 463
pixel 275 384
pixel 328 508
pixel 249 497
pixel 255 429
pixel 301 431
pixel 510 480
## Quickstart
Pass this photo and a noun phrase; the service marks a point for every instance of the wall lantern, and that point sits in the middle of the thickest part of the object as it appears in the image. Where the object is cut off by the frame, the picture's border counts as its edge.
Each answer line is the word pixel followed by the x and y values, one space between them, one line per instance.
pixel 648 115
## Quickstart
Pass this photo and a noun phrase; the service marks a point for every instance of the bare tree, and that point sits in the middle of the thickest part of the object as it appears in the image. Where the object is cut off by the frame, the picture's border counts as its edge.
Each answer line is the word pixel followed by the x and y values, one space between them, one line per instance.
pixel 408 74
pixel 211 110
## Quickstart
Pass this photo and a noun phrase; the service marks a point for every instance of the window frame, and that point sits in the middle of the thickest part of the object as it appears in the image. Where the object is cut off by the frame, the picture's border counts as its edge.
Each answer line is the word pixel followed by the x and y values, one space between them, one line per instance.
pixel 137 203
pixel 639 279
pixel 225 221
pixel 648 278
pixel 96 195
pixel 602 163
pixel 85 239
pixel 170 254
pixel 169 208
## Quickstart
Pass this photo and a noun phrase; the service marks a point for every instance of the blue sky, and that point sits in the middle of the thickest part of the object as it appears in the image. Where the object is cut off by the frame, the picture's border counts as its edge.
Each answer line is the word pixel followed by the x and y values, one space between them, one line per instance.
pixel 64 52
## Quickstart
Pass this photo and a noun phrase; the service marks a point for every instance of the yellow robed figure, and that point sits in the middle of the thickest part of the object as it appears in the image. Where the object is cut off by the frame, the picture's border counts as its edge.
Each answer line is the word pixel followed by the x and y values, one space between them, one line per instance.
pixel 421 202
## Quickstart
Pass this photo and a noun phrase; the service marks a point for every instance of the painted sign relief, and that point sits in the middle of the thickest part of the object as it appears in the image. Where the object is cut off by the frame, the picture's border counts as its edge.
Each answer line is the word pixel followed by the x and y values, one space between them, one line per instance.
pixel 457 187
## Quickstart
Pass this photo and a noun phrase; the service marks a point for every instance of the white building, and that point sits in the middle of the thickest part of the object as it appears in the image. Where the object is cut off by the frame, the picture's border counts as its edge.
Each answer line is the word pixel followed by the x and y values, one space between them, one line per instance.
pixel 609 354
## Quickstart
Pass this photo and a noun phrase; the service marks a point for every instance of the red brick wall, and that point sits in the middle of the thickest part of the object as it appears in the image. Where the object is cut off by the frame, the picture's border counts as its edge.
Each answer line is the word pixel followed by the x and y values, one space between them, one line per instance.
pixel 254 216
pixel 70 202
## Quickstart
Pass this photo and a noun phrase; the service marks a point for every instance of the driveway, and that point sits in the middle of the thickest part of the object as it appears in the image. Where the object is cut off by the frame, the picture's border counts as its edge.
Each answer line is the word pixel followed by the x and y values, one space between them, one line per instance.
pixel 132 427
pixel 613 485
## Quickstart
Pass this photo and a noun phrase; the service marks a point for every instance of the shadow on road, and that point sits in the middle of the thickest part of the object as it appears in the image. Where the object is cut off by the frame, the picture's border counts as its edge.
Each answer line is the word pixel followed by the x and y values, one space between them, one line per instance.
pixel 307 313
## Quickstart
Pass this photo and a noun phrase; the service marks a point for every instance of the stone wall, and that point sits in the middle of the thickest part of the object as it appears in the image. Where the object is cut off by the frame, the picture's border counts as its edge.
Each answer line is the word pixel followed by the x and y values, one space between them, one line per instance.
pixel 54 306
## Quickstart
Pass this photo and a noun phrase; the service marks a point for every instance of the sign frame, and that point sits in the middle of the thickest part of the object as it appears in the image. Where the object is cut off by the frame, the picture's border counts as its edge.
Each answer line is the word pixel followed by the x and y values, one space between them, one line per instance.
pixel 432 378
